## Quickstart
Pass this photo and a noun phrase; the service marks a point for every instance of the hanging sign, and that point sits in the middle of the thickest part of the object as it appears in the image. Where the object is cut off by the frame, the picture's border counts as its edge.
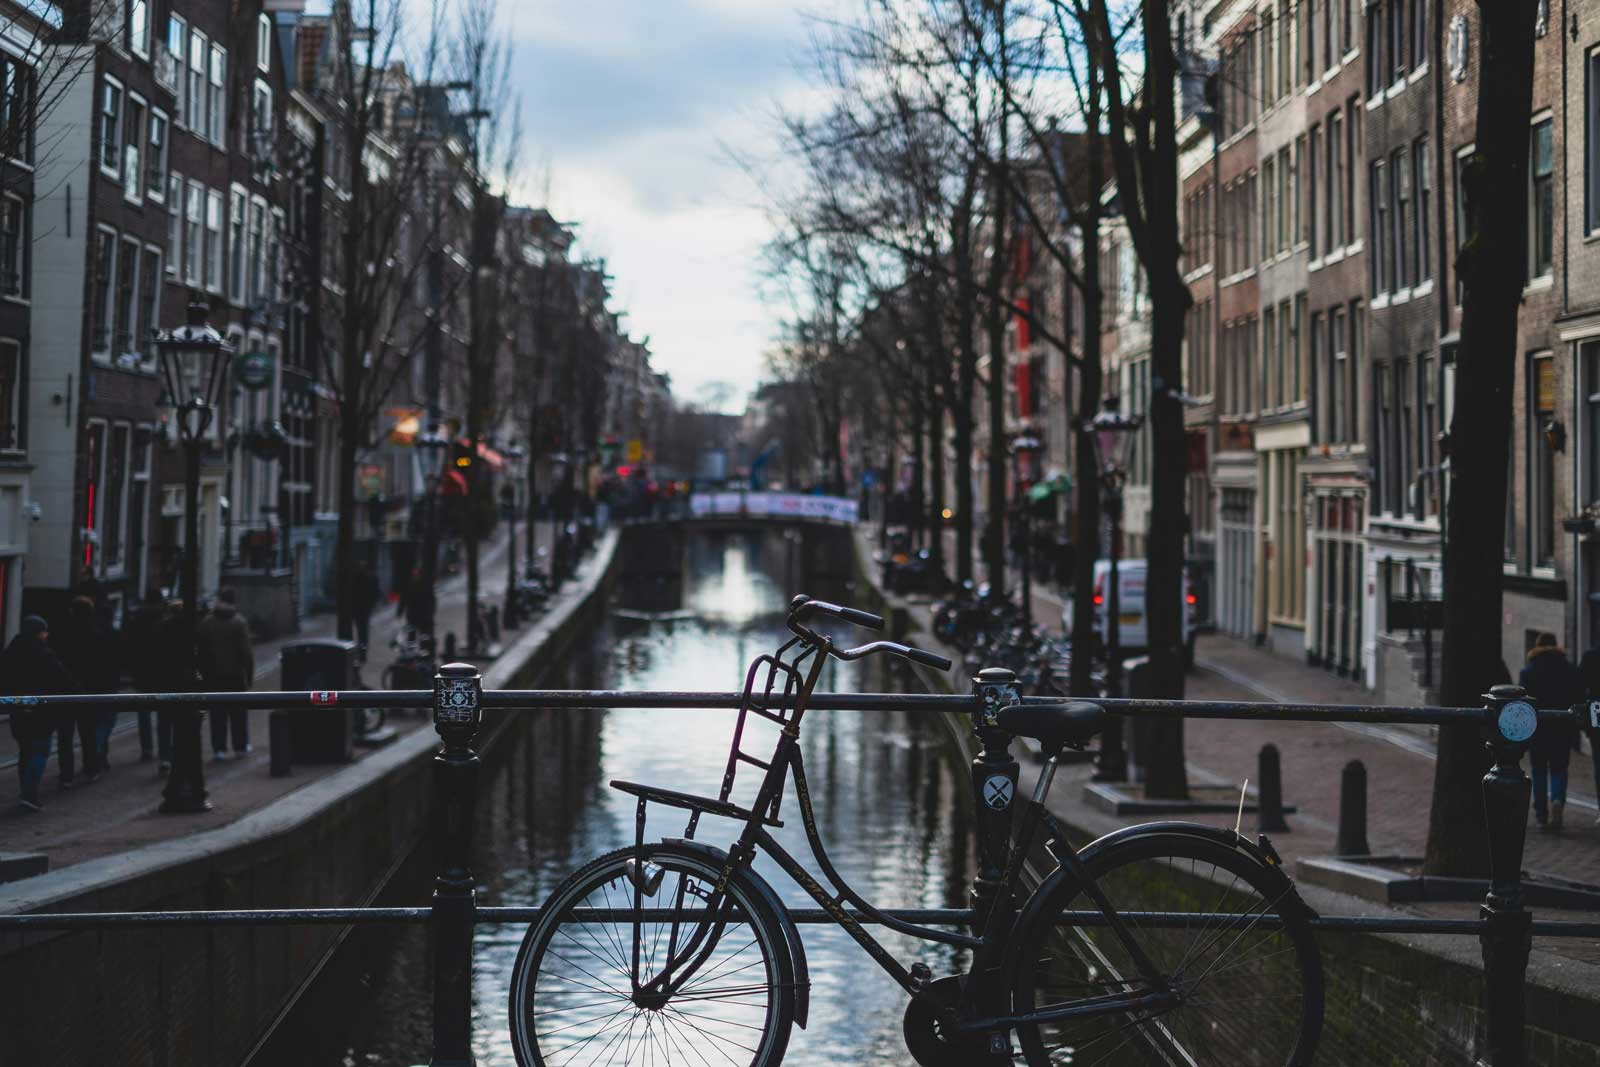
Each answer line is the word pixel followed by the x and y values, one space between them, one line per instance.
pixel 253 370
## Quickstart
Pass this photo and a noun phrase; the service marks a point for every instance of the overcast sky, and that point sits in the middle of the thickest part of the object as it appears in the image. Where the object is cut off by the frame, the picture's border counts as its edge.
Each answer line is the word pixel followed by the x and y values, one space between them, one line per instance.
pixel 630 108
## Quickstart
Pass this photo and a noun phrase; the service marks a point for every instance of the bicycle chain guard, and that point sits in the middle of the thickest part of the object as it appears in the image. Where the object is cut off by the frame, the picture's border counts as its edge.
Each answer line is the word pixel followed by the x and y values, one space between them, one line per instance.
pixel 930 1032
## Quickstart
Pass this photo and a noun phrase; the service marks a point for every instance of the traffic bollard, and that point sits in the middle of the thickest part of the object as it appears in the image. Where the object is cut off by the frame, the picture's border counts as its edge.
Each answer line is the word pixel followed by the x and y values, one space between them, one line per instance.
pixel 994 787
pixel 1352 840
pixel 1508 936
pixel 1269 792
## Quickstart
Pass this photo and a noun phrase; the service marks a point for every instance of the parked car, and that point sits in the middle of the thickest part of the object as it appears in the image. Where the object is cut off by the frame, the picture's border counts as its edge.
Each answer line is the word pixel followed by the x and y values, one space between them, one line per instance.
pixel 1132 633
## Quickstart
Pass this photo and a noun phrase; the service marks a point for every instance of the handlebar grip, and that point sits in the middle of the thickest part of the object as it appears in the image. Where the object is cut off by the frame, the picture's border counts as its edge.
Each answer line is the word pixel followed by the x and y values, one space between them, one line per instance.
pixel 861 618
pixel 929 659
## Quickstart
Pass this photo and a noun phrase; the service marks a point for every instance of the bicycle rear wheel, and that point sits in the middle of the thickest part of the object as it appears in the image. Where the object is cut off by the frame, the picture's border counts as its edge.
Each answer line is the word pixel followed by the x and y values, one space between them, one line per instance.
pixel 571 987
pixel 1250 991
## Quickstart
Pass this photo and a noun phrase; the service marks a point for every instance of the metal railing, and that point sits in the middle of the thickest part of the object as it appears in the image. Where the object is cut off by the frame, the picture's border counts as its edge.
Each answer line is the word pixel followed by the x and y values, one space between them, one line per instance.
pixel 1504 925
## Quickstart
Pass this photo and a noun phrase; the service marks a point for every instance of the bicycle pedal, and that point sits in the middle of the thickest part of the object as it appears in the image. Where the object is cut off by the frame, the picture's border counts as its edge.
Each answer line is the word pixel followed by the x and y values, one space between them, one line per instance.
pixel 921 975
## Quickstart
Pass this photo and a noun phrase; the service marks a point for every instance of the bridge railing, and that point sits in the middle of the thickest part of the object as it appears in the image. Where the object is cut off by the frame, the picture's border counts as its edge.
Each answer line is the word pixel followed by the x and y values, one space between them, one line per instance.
pixel 1504 925
pixel 760 504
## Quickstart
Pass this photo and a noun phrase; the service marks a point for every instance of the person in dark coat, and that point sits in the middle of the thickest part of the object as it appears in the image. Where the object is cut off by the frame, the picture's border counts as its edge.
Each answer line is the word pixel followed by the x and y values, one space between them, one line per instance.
pixel 28 667
pixel 88 653
pixel 227 665
pixel 144 651
pixel 1552 682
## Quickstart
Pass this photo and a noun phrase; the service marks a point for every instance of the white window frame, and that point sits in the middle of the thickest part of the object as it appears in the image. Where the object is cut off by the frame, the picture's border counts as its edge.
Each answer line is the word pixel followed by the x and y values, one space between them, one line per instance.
pixel 217 96
pixel 174 199
pixel 108 311
pixel 264 42
pixel 178 30
pixel 193 234
pixel 195 94
pixel 24 239
pixel 153 165
pixel 105 569
pixel 19 399
pixel 261 132
pixel 139 41
pixel 133 154
pixel 130 354
pixel 213 240
pixel 107 84
pixel 148 362
pixel 256 268
pixel 276 230
pixel 1540 118
pixel 238 241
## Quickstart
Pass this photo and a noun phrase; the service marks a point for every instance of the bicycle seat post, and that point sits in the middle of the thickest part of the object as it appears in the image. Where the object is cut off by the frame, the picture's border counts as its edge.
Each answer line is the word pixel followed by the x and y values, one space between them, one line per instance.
pixel 994 786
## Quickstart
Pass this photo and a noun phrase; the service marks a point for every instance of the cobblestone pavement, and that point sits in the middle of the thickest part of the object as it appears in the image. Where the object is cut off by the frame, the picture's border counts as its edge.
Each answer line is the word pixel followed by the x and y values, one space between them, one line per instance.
pixel 118 812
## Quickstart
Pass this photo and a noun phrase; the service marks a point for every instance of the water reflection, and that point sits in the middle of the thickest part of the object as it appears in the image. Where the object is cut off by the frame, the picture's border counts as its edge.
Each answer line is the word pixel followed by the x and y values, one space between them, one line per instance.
pixel 891 805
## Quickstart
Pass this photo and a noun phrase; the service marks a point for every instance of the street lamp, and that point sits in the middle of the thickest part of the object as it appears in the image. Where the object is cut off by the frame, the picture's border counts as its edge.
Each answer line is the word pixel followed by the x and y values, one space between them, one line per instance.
pixel 1112 434
pixel 1024 448
pixel 192 359
pixel 431 445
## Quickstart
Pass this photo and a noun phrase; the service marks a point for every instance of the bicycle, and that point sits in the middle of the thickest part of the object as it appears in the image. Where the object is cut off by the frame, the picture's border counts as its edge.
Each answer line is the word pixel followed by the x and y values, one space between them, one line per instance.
pixel 679 950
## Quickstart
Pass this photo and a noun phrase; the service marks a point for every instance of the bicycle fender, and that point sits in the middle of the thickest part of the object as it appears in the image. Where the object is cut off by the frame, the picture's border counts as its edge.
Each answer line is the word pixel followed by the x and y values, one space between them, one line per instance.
pixel 1260 852
pixel 791 934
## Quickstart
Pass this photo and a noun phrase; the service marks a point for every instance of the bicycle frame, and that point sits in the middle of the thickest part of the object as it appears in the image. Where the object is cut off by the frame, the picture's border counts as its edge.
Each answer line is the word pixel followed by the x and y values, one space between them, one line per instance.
pixel 988 946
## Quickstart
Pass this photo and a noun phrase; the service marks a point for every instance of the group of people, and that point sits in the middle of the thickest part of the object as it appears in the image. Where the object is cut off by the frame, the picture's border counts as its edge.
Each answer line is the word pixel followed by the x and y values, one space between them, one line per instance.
pixel 86 655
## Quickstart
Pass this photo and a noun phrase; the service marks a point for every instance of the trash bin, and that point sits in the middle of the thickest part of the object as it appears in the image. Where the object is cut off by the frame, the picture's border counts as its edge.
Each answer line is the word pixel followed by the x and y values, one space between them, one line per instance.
pixel 324 734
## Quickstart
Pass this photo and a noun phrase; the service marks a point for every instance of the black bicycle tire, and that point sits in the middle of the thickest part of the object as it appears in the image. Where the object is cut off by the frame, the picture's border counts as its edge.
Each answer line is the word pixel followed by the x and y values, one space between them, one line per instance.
pixel 751 901
pixel 1170 845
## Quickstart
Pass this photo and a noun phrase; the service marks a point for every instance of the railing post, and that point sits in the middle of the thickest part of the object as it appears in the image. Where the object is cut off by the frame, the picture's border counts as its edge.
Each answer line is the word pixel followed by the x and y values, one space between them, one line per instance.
pixel 1509 934
pixel 994 787
pixel 1269 792
pixel 457 712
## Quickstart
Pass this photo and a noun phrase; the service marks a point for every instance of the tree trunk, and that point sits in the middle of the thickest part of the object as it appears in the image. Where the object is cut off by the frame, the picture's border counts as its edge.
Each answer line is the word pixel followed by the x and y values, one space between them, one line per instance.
pixel 1491 268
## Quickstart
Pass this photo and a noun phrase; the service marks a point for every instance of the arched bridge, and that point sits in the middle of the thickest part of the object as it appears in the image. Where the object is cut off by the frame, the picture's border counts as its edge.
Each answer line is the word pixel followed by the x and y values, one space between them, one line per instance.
pixel 818 531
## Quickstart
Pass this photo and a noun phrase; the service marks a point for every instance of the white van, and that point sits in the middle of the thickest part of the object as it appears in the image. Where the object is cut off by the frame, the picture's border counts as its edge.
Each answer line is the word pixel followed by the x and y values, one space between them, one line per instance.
pixel 1132 635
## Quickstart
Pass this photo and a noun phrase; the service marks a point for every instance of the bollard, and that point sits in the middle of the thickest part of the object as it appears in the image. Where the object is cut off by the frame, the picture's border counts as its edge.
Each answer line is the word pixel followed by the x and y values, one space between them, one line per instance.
pixel 1353 811
pixel 450 645
pixel 493 617
pixel 1509 927
pixel 278 743
pixel 1269 786
pixel 457 713
pixel 994 786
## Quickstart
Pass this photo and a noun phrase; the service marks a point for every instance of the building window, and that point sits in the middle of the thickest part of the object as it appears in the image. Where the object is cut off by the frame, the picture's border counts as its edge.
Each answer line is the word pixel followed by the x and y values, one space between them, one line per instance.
pixel 1375 64
pixel 139 27
pixel 133 165
pixel 1269 207
pixel 1271 371
pixel 236 245
pixel 13 247
pixel 257 250
pixel 193 225
pixel 1419 33
pixel 111 128
pixel 156 158
pixel 214 240
pixel 174 225
pixel 1400 189
pixel 261 119
pixel 112 531
pixel 1297 351
pixel 1591 143
pixel 1313 176
pixel 1339 377
pixel 105 252
pixel 264 42
pixel 217 96
pixel 1590 358
pixel 1336 180
pixel 1423 183
pixel 1397 43
pixel 1378 201
pixel 127 286
pixel 11 392
pixel 1541 201
pixel 94 457
pixel 1463 212
pixel 1542 459
pixel 195 106
pixel 177 45
pixel 1428 434
pixel 149 304
pixel 16 100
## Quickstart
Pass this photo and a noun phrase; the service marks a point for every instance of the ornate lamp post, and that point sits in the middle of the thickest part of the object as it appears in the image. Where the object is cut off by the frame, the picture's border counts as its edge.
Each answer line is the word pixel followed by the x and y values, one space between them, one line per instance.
pixel 1112 434
pixel 431 445
pixel 192 359
pixel 1024 447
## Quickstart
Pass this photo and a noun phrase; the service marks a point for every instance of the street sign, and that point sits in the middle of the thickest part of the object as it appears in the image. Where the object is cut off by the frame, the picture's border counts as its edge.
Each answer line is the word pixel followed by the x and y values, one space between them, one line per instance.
pixel 253 370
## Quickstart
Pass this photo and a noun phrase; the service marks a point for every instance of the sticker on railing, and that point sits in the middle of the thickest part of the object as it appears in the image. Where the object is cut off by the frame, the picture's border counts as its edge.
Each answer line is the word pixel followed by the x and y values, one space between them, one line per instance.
pixel 324 697
pixel 455 700
pixel 997 791
pixel 1594 714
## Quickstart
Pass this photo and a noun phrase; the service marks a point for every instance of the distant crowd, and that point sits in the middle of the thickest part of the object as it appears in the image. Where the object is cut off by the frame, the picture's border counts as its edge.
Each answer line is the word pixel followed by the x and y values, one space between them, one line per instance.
pixel 85 654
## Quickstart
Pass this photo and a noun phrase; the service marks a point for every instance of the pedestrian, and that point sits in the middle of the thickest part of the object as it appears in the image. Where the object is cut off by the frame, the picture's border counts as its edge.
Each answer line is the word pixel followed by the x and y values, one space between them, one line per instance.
pixel 1551 682
pixel 227 665
pixel 145 652
pixel 174 674
pixel 87 652
pixel 364 594
pixel 28 667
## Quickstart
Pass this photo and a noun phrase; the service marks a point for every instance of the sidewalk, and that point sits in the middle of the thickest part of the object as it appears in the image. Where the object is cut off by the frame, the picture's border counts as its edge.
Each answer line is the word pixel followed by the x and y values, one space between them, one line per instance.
pixel 119 811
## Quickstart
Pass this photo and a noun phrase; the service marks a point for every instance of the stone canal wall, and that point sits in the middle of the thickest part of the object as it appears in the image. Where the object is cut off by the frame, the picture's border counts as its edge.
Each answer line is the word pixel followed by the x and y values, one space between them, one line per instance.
pixel 1392 1000
pixel 206 997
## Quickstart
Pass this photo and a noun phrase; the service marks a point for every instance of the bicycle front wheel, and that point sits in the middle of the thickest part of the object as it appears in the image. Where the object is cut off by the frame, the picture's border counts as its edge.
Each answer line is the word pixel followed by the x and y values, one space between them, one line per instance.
pixel 1250 990
pixel 572 999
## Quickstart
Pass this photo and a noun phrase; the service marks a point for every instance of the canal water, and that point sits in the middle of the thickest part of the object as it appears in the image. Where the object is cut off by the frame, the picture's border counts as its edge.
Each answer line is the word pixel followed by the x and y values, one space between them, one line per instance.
pixel 892 806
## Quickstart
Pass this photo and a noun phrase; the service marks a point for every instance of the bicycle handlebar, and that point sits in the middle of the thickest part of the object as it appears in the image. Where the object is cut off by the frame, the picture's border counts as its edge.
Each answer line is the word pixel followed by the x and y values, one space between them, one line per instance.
pixel 802 605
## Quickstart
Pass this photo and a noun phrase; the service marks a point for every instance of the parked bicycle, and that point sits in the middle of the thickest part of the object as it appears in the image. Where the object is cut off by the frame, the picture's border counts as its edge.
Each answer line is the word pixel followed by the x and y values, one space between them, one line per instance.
pixel 1168 943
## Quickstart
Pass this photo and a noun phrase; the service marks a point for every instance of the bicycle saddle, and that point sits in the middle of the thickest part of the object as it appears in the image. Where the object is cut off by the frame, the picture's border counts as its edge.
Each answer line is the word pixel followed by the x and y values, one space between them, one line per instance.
pixel 1054 725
